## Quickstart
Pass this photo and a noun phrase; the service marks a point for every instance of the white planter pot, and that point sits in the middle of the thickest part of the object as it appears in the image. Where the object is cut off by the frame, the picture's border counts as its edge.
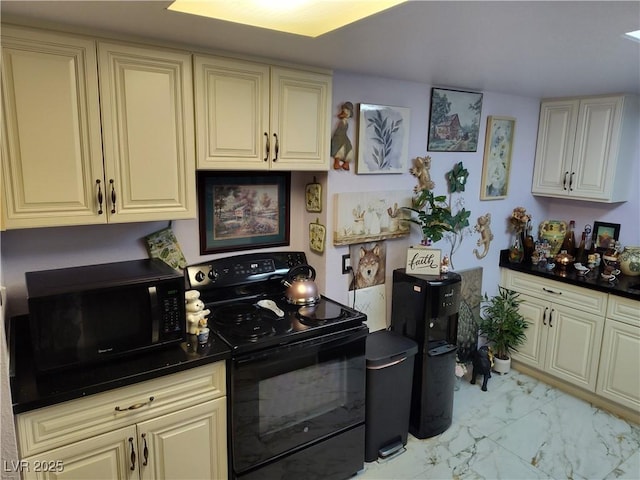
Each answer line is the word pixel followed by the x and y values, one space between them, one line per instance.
pixel 501 366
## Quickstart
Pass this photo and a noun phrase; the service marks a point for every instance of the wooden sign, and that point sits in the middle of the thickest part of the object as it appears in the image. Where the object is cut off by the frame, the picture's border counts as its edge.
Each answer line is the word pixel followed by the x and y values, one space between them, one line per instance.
pixel 423 260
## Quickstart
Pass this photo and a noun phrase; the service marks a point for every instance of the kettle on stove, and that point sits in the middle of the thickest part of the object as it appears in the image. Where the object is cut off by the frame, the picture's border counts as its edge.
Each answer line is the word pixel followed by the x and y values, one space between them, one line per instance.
pixel 301 287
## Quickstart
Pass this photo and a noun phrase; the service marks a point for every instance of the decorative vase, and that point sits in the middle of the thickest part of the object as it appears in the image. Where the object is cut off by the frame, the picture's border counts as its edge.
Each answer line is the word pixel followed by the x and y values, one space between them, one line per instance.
pixel 516 250
pixel 630 261
pixel 553 231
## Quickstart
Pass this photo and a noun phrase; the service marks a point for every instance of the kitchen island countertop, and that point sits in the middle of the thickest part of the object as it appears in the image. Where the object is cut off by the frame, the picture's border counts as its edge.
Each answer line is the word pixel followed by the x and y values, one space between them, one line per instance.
pixel 623 286
pixel 30 390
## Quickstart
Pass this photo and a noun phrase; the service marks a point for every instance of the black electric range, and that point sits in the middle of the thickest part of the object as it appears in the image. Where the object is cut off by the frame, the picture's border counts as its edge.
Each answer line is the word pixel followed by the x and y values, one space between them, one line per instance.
pixel 234 288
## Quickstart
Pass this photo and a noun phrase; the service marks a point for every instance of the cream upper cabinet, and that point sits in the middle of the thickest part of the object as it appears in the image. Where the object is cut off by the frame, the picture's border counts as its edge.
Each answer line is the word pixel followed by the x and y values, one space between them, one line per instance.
pixel 618 378
pixel 252 116
pixel 56 125
pixel 52 150
pixel 586 147
pixel 146 99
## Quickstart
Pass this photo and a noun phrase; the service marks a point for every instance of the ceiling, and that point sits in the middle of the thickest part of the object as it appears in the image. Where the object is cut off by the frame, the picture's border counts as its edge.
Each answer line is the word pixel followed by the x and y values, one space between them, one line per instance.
pixel 534 49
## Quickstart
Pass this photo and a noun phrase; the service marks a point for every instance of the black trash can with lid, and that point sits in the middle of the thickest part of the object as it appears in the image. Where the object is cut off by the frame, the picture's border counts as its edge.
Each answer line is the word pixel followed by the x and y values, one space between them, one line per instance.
pixel 389 379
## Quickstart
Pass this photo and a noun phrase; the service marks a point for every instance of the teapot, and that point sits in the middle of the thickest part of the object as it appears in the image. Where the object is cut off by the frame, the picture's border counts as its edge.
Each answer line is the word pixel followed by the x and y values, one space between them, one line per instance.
pixel 301 287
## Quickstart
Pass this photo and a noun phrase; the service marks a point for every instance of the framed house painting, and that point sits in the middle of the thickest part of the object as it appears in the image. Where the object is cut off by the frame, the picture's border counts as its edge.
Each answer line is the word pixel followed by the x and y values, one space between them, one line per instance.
pixel 496 165
pixel 455 120
pixel 383 139
pixel 243 210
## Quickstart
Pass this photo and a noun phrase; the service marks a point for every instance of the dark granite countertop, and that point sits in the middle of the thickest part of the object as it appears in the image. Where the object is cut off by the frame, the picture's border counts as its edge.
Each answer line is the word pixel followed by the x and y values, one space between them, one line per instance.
pixel 623 286
pixel 30 391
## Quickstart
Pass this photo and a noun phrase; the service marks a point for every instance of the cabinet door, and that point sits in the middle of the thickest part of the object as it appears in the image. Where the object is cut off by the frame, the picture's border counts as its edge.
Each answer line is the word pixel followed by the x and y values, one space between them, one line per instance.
pixel 555 146
pixel 574 340
pixel 147 117
pixel 52 151
pixel 103 457
pixel 618 377
pixel 300 113
pixel 596 147
pixel 191 443
pixel 536 313
pixel 232 113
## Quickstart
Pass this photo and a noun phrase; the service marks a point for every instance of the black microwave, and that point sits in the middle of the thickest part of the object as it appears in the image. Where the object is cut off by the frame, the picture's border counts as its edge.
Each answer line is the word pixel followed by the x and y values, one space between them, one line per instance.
pixel 86 314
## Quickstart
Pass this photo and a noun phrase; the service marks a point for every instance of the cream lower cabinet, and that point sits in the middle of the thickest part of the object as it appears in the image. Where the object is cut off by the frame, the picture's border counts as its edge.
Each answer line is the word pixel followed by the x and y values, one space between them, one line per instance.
pixel 565 328
pixel 167 428
pixel 252 116
pixel 618 378
pixel 57 117
pixel 586 147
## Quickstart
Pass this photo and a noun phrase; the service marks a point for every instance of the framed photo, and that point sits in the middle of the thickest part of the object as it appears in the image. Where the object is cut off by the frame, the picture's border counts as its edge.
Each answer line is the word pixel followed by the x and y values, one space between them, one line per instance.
pixel 243 210
pixel 455 120
pixel 603 233
pixel 383 139
pixel 496 164
pixel 313 197
pixel 423 260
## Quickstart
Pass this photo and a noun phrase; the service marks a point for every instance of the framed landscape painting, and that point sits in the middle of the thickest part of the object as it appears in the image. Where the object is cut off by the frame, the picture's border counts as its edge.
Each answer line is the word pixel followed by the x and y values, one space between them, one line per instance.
pixel 243 210
pixel 455 120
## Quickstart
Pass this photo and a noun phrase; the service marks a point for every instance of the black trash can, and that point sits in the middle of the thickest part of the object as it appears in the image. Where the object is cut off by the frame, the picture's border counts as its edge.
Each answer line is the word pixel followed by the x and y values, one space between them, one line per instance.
pixel 389 379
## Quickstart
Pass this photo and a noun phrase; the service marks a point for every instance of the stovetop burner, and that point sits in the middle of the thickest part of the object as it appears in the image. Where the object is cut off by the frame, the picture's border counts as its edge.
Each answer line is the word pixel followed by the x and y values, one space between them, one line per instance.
pixel 320 313
pixel 236 313
pixel 231 288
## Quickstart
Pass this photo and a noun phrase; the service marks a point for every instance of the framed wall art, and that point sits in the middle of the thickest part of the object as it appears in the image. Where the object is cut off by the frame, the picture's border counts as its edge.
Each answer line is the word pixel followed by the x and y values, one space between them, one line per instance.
pixel 496 164
pixel 243 210
pixel 454 121
pixel 383 139
pixel 423 260
pixel 604 233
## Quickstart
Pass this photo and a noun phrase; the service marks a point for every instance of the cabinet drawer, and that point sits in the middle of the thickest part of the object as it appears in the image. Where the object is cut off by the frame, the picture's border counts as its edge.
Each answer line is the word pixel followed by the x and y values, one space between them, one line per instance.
pixel 568 295
pixel 67 422
pixel 624 309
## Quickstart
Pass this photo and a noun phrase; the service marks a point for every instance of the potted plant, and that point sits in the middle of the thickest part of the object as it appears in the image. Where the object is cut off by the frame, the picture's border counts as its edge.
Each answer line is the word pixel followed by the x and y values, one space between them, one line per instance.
pixel 503 325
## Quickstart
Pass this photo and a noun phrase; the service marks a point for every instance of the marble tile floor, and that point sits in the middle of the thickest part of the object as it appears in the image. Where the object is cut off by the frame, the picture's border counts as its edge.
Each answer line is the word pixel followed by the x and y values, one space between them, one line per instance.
pixel 520 429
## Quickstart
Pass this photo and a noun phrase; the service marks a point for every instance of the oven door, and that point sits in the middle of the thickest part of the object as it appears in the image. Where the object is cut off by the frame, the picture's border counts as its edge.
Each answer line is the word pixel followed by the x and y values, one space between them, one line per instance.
pixel 288 397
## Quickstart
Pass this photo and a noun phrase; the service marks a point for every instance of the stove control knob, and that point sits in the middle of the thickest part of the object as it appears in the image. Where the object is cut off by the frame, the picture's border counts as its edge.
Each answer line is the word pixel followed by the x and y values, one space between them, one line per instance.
pixel 199 276
pixel 213 275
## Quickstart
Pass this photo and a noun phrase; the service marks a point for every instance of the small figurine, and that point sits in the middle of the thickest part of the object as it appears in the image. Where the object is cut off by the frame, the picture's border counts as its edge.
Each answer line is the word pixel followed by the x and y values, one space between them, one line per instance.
pixel 482 363
pixel 420 170
pixel 445 264
pixel 196 313
pixel 341 148
pixel 483 227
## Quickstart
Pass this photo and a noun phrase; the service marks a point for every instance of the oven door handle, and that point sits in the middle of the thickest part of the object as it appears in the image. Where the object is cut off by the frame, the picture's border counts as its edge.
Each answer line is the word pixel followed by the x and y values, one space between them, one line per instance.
pixel 335 339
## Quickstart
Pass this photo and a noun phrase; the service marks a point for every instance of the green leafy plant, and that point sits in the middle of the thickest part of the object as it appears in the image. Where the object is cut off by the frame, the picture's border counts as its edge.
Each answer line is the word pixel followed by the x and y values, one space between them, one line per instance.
pixel 502 323
pixel 433 215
